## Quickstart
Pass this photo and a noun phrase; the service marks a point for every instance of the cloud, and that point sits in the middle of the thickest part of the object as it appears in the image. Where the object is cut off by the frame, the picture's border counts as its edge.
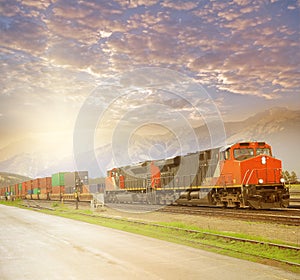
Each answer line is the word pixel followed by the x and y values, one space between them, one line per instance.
pixel 243 2
pixel 9 8
pixel 136 3
pixel 40 5
pixel 23 35
pixel 66 52
pixel 179 5
pixel 65 9
pixel 61 50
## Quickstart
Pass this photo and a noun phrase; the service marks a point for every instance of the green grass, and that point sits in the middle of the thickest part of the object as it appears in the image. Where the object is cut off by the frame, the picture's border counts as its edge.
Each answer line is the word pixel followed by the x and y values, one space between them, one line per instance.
pixel 230 234
pixel 295 187
pixel 16 203
pixel 253 252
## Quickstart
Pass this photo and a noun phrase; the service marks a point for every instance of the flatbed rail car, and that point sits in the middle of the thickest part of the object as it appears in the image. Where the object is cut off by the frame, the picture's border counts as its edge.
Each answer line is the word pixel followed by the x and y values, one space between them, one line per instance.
pixel 244 174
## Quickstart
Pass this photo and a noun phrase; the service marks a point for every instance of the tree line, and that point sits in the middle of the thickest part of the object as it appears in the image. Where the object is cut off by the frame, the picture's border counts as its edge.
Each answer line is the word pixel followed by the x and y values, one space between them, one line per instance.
pixel 290 177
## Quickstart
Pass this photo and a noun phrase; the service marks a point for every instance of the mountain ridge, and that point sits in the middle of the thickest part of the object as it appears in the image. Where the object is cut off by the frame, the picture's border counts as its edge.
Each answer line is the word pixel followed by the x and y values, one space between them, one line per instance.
pixel 277 126
pixel 8 179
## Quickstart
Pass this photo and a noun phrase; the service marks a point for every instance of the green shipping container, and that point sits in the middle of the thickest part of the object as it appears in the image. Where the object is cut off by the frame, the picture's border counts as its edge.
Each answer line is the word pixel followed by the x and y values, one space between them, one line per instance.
pixel 20 187
pixel 58 179
pixel 36 191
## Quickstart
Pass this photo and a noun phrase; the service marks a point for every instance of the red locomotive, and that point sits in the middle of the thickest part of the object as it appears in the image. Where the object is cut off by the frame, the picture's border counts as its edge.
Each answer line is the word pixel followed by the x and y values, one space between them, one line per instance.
pixel 240 175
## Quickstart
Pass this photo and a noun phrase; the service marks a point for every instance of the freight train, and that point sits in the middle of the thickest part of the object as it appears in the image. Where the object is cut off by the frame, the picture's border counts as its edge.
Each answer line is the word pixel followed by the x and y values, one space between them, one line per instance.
pixel 244 174
pixel 240 175
pixel 60 186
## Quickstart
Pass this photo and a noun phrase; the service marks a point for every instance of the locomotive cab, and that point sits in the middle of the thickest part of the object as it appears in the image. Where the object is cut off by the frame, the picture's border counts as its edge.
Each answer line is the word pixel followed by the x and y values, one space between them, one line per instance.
pixel 252 166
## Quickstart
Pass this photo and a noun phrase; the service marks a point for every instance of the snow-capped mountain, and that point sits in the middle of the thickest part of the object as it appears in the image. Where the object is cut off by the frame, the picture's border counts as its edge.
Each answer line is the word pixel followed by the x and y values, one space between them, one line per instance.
pixel 278 126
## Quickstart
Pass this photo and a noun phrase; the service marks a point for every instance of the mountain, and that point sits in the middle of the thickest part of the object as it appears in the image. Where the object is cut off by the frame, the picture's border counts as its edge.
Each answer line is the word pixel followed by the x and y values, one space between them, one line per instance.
pixel 278 126
pixel 8 179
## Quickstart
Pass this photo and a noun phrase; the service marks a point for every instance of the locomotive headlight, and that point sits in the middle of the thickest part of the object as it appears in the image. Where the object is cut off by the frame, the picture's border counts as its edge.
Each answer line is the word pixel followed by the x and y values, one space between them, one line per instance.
pixel 282 180
pixel 263 160
pixel 260 181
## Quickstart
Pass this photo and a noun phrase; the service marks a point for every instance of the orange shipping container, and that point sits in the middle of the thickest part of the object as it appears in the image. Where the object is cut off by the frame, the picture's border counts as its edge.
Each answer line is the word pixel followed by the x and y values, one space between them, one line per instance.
pixel 85 189
pixel 58 189
pixel 2 191
pixel 26 186
pixel 16 189
pixel 23 191
pixel 45 185
pixel 31 185
pixel 35 183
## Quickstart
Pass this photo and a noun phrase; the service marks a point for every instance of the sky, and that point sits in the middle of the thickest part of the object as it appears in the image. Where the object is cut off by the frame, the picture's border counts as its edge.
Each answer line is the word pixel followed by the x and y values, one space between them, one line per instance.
pixel 60 56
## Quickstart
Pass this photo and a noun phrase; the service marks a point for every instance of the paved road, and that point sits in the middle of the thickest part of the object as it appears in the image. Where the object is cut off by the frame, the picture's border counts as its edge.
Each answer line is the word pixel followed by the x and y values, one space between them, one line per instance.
pixel 38 246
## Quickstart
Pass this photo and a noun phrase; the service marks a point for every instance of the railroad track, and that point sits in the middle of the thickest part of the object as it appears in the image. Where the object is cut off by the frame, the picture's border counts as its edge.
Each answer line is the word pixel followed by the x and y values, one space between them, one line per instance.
pixel 279 216
pixel 286 217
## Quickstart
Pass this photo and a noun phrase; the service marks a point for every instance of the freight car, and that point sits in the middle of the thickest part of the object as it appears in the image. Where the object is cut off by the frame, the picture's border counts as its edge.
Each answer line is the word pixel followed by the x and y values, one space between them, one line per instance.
pixel 70 185
pixel 240 175
pixel 60 186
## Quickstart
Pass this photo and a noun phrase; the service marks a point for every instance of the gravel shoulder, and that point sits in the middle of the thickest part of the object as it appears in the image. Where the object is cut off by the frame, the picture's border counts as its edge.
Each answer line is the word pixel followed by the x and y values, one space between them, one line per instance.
pixel 271 231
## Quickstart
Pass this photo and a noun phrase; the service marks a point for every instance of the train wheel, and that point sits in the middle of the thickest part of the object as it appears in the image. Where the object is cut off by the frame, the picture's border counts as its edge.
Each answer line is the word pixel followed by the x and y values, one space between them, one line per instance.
pixel 237 205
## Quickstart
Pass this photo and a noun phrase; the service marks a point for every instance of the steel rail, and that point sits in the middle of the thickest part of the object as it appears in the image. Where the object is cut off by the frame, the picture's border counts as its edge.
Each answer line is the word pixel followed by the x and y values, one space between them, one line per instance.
pixel 283 218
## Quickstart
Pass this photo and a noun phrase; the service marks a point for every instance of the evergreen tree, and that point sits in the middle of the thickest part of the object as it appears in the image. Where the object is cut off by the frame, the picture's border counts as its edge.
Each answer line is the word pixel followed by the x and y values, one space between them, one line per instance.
pixel 286 176
pixel 293 178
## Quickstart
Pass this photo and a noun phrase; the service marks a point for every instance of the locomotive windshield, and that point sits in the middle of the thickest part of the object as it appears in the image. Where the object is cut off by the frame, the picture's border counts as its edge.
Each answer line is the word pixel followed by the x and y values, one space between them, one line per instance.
pixel 244 153
pixel 263 151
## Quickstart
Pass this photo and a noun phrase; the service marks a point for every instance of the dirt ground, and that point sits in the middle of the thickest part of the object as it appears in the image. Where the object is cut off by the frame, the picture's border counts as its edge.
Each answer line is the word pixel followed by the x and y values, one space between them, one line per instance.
pixel 271 231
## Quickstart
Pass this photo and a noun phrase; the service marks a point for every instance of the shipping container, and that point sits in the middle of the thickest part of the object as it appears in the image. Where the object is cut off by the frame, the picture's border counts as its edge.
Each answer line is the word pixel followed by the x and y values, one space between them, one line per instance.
pixel 29 185
pixel 16 189
pixel 35 188
pixel 36 191
pixel 76 178
pixel 45 185
pixel 69 190
pixel 23 192
pixel 58 189
pixel 26 189
pixel 57 192
pixel 70 179
pixel 35 183
pixel 84 189
pixel 58 179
